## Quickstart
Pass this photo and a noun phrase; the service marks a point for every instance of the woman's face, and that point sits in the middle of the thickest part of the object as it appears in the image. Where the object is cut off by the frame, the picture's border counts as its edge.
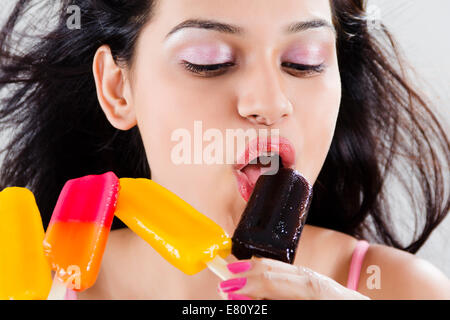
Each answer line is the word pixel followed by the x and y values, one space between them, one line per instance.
pixel 275 68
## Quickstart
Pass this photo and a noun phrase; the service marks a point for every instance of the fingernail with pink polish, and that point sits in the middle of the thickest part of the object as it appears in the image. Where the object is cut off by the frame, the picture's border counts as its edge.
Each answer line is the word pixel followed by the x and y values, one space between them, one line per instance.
pixel 232 284
pixel 235 296
pixel 239 267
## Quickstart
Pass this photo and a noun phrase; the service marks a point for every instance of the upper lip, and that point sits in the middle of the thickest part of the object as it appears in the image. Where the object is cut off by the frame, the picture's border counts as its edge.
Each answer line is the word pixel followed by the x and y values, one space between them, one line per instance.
pixel 263 145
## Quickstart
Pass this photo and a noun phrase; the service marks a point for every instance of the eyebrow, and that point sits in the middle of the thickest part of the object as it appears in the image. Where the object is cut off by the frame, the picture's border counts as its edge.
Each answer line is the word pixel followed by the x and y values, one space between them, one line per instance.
pixel 232 29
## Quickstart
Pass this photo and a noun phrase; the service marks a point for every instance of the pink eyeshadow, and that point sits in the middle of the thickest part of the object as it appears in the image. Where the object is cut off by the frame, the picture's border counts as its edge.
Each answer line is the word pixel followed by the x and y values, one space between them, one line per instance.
pixel 206 54
pixel 304 55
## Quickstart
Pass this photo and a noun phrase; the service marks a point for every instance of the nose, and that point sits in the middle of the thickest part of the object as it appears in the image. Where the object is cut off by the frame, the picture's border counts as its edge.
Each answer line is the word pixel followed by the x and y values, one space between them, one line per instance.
pixel 262 99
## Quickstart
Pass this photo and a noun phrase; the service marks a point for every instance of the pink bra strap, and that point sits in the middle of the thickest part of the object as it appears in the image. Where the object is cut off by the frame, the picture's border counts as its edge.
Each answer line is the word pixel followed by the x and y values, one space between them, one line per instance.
pixel 356 264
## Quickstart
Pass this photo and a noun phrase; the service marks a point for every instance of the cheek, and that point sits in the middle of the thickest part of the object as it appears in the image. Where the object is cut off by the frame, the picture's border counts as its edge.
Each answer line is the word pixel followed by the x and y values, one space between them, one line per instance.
pixel 317 107
pixel 168 101
pixel 162 109
pixel 158 117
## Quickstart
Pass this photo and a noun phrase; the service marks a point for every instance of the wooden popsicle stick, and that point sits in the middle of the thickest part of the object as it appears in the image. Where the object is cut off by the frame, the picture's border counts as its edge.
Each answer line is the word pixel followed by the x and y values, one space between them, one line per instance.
pixel 58 290
pixel 219 267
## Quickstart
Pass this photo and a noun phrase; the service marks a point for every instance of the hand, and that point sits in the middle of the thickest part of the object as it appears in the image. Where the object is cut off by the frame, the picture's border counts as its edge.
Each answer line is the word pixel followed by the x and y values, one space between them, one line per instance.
pixel 261 278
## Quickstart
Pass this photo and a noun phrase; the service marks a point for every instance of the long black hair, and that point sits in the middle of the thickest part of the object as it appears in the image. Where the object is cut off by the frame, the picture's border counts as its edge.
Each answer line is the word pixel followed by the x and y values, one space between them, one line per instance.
pixel 59 132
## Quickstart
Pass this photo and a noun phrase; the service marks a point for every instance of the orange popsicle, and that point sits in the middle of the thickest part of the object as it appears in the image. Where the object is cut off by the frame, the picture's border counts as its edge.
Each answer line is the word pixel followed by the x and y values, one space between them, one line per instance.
pixel 79 229
pixel 187 239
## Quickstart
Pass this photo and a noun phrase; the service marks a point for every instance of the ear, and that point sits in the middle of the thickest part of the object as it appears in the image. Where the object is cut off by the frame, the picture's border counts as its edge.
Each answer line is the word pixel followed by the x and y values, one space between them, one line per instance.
pixel 113 90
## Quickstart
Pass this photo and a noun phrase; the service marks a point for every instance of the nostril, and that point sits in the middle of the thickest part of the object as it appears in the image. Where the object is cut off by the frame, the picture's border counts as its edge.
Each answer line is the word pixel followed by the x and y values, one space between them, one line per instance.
pixel 263 120
pixel 257 119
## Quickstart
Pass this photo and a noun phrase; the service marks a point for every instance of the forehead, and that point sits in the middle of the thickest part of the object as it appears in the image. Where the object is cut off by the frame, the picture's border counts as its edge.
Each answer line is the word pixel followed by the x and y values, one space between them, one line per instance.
pixel 248 14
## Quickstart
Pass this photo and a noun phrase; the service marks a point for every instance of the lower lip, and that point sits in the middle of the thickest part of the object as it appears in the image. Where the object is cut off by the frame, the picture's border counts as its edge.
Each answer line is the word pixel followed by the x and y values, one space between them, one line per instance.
pixel 244 186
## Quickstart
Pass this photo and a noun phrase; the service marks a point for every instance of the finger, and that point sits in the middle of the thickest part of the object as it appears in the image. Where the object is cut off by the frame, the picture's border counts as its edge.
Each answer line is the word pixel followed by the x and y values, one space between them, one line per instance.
pixel 286 286
pixel 329 288
pixel 223 295
pixel 269 285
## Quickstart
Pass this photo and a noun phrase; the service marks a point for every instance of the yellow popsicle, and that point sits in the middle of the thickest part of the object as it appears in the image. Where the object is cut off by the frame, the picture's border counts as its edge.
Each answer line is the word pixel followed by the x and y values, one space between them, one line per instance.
pixel 183 236
pixel 24 271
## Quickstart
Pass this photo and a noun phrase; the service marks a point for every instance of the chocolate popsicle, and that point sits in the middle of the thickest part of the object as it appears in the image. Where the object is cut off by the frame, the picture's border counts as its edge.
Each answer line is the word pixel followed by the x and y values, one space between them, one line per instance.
pixel 273 219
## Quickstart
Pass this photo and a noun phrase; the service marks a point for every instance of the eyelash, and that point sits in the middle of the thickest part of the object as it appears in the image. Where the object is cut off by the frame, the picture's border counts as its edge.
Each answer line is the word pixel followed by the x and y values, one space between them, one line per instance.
pixel 207 69
pixel 211 70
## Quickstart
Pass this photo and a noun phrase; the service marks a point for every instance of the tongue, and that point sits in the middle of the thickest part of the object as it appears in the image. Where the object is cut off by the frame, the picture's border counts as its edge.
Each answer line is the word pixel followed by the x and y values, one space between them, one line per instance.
pixel 253 171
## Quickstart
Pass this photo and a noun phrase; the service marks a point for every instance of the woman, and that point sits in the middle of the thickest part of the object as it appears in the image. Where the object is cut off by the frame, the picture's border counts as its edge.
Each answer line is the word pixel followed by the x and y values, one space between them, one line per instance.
pixel 109 95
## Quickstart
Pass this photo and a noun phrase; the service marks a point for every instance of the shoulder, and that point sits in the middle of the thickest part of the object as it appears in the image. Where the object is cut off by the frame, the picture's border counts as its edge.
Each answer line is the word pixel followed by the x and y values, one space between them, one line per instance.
pixel 389 273
pixel 326 251
pixel 386 272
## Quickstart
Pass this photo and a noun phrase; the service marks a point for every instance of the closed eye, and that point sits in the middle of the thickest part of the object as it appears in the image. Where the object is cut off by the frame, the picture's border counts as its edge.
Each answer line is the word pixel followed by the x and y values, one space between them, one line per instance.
pixel 211 70
pixel 303 69
pixel 207 69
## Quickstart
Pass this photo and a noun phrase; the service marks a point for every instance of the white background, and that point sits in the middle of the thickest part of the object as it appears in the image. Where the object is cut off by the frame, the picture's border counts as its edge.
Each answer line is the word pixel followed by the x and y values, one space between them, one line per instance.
pixel 422 28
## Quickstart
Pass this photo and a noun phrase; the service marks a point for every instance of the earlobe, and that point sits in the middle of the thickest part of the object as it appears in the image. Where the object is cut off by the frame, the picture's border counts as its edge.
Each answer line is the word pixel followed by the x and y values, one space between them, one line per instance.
pixel 112 90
